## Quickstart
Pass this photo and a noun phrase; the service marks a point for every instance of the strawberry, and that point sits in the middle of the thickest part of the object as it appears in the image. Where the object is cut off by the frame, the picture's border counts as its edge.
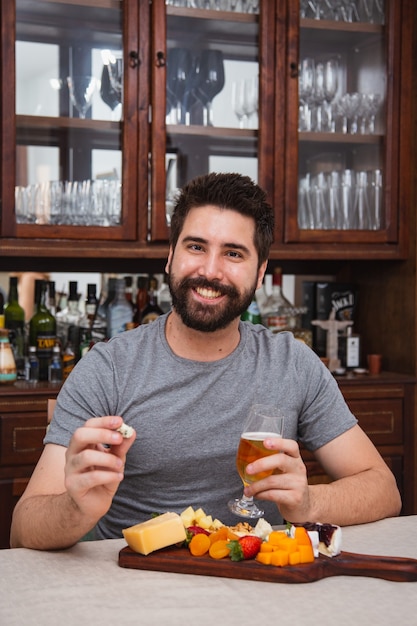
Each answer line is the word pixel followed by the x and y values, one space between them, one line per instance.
pixel 246 547
pixel 190 531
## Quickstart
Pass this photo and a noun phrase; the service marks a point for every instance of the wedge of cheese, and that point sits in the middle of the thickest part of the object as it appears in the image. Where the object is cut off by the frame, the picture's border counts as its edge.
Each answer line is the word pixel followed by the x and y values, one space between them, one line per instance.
pixel 156 533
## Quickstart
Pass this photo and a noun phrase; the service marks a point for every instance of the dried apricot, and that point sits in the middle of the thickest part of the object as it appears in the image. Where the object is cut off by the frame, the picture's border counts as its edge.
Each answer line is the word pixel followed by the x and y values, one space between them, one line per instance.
pixel 219 549
pixel 199 544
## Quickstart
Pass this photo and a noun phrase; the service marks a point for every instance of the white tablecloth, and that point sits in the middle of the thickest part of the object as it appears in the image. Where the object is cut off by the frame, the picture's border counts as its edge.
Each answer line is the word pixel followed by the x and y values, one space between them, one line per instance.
pixel 85 585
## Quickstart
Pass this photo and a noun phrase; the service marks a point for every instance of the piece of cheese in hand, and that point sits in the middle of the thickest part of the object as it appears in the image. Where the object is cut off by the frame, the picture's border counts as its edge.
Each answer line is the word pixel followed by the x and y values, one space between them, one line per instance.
pixel 158 532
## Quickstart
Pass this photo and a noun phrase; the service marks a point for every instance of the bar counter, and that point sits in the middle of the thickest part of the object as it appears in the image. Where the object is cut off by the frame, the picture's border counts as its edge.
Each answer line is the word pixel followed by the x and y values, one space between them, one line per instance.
pixel 85 585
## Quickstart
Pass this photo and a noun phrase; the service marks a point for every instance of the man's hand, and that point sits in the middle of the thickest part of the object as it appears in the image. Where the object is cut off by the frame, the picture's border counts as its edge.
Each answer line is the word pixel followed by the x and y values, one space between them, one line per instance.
pixel 287 486
pixel 94 465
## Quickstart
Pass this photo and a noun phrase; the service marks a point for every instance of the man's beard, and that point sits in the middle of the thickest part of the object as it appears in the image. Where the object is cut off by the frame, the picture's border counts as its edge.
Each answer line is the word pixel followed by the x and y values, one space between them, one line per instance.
pixel 204 317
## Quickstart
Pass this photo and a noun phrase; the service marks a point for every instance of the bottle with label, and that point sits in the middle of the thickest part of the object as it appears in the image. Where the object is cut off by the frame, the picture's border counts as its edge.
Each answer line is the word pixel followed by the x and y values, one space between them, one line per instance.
pixel 142 297
pixel 276 306
pixel 68 356
pixel 32 366
pixel 92 325
pixel 14 320
pixel 252 313
pixel 55 374
pixel 8 373
pixel 119 312
pixel 353 349
pixel 164 296
pixel 152 310
pixel 42 330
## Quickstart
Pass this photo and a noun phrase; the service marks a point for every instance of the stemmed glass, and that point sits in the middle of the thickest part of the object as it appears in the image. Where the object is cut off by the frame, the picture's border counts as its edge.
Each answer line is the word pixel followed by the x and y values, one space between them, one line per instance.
pixel 306 84
pixel 349 105
pixel 262 422
pixel 178 69
pixel 81 90
pixel 109 95
pixel 331 68
pixel 210 81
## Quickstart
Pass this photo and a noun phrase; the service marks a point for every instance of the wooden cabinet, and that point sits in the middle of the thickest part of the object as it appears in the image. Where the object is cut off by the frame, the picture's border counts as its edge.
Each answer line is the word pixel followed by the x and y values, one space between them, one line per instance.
pixel 23 420
pixel 384 407
pixel 156 154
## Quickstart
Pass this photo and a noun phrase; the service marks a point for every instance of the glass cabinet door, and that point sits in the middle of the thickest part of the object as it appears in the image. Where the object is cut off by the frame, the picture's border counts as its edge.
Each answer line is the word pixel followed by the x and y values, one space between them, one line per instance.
pixel 343 103
pixel 70 107
pixel 207 61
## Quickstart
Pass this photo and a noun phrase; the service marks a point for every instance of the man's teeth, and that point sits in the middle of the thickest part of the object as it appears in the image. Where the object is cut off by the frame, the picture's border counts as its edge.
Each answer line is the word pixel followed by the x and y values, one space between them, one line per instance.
pixel 208 293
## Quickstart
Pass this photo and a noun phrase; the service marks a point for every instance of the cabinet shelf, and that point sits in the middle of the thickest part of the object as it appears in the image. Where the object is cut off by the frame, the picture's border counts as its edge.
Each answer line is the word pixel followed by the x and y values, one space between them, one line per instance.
pixel 39 131
pixel 340 138
pixel 214 140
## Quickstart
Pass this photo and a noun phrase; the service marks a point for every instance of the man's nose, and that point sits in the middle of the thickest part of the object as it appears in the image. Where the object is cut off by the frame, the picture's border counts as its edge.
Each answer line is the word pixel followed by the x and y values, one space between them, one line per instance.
pixel 212 267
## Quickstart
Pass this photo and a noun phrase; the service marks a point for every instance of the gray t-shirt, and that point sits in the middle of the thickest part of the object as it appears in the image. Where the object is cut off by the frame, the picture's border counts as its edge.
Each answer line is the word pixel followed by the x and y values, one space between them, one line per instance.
pixel 188 415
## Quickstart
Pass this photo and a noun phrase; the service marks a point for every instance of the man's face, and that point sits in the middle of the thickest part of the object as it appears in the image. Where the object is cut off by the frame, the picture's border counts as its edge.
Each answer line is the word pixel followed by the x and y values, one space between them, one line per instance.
pixel 213 271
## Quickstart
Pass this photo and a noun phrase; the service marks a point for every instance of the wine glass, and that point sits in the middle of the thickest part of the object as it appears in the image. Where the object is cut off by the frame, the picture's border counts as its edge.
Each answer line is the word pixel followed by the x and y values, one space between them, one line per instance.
pixel 331 68
pixel 179 66
pixel 108 94
pixel 306 85
pixel 210 81
pixel 81 90
pixel 262 422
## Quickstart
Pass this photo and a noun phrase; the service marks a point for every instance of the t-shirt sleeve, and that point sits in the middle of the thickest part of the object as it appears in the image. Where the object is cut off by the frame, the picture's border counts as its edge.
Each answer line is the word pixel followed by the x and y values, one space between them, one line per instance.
pixel 88 392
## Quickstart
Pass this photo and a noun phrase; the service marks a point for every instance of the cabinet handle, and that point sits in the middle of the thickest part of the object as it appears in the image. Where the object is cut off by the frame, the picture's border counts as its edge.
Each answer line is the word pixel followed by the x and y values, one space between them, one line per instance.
pixel 160 59
pixel 133 59
pixel 293 70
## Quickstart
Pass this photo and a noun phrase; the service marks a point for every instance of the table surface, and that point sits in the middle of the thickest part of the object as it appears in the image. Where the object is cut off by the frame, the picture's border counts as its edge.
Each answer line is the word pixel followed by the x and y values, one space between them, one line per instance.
pixel 85 585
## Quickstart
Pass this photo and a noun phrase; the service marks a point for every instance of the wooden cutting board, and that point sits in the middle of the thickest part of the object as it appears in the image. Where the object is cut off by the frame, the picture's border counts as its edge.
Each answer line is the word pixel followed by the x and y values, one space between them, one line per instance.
pixel 180 560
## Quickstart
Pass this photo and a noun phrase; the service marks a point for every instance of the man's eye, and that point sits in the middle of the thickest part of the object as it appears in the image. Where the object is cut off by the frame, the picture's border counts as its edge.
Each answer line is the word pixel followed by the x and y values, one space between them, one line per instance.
pixel 195 246
pixel 234 254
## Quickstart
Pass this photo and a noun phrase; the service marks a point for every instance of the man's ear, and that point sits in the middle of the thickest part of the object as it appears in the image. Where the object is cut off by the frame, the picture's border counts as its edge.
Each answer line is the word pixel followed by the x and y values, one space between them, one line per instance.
pixel 168 263
pixel 261 274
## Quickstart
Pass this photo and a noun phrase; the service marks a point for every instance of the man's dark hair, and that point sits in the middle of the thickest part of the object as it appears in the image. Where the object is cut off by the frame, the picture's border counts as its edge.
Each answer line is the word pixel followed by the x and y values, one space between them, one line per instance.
pixel 227 191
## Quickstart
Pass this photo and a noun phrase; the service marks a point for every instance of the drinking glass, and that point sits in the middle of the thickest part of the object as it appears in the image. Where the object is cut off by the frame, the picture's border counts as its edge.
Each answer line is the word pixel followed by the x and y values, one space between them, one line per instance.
pixel 179 66
pixel 330 84
pixel 211 81
pixel 109 95
pixel 81 90
pixel 262 422
pixel 306 85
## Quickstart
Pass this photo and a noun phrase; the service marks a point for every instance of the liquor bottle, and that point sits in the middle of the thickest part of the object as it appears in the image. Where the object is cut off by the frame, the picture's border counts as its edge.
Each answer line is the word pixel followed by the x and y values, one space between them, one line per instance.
pixel 119 312
pixel 8 372
pixel 55 367
pixel 252 313
pixel 152 309
pixel 164 296
pixel 142 297
pixel 51 297
pixel 32 366
pixel 73 314
pixel 14 320
pixel 42 330
pixel 92 325
pixel 68 357
pixel 129 290
pixel 353 349
pixel 277 308
pixel 105 299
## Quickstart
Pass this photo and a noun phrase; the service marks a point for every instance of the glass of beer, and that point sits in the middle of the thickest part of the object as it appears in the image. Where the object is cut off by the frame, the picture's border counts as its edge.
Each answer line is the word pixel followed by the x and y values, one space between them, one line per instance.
pixel 262 423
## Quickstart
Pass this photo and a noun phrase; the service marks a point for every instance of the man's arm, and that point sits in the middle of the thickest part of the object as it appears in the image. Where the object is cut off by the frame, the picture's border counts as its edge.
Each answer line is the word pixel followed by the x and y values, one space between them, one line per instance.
pixel 363 487
pixel 71 489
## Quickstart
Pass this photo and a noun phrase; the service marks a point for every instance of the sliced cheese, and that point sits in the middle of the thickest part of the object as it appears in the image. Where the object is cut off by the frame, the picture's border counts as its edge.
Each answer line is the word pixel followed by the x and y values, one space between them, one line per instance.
pixel 158 532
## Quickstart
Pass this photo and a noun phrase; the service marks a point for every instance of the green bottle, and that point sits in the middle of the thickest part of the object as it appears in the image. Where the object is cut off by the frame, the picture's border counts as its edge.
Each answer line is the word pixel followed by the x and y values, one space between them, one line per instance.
pixel 252 313
pixel 42 329
pixel 14 321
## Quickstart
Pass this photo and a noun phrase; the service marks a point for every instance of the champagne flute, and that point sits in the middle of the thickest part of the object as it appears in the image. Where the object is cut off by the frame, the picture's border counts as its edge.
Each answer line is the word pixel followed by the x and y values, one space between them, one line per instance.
pixel 262 422
pixel 81 90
